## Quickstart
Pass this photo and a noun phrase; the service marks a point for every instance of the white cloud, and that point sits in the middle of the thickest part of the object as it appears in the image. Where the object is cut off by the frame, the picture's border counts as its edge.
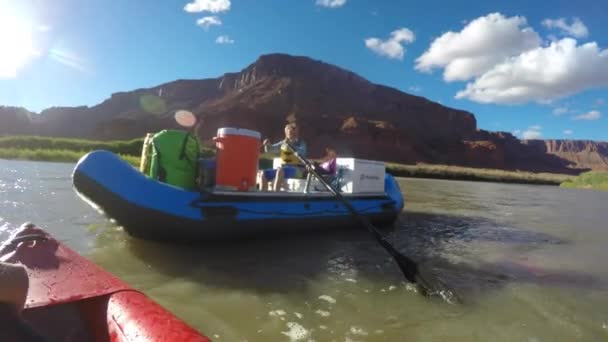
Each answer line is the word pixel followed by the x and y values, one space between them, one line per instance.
pixel 592 115
pixel 415 89
pixel 224 39
pixel 43 28
pixel 207 22
pixel 560 111
pixel 392 47
pixel 213 6
pixel 68 58
pixel 576 29
pixel 542 74
pixel 480 45
pixel 533 132
pixel 568 132
pixel 331 3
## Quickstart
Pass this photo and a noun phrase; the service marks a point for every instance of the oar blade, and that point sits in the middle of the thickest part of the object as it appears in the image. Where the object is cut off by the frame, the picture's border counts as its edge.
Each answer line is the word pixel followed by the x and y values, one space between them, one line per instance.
pixel 409 267
pixel 427 283
pixel 435 287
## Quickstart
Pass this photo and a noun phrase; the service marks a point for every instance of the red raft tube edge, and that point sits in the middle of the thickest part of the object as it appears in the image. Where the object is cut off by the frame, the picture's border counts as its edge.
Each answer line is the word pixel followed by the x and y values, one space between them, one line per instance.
pixel 72 299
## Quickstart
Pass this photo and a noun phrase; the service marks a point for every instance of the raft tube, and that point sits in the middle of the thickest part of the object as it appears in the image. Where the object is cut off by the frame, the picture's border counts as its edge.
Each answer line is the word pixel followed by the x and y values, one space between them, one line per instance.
pixel 70 298
pixel 153 210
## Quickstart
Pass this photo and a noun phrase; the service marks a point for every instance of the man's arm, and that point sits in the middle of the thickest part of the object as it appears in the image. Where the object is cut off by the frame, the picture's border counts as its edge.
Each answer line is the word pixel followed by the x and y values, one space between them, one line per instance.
pixel 276 147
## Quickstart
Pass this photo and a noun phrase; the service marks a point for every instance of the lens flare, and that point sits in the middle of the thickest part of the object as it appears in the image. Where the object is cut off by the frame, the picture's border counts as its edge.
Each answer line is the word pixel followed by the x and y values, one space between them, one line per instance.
pixel 185 118
pixel 16 44
pixel 152 104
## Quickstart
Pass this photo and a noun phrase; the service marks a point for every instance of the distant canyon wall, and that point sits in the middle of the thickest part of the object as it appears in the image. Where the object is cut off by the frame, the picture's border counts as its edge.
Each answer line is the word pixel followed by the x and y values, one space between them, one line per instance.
pixel 334 107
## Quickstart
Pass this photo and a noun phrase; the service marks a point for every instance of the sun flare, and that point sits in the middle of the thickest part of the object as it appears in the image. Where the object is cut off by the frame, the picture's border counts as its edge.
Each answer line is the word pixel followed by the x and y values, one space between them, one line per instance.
pixel 16 44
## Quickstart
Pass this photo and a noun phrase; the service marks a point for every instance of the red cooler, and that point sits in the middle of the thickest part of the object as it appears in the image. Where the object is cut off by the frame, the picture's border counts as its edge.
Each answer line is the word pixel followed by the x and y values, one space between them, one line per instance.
pixel 238 151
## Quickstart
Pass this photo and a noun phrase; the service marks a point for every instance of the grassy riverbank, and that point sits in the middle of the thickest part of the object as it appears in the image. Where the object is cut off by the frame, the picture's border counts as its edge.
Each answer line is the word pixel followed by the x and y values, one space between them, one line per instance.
pixel 588 180
pixel 126 147
pixel 67 149
pixel 474 174
pixel 43 154
pixel 70 150
pixel 64 149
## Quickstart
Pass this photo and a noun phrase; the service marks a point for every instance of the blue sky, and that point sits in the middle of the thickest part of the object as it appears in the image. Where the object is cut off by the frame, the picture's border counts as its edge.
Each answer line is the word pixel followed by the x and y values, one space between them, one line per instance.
pixel 537 69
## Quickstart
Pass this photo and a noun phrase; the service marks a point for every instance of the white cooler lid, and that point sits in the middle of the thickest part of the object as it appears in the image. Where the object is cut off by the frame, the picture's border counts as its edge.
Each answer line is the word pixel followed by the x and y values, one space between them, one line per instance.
pixel 224 131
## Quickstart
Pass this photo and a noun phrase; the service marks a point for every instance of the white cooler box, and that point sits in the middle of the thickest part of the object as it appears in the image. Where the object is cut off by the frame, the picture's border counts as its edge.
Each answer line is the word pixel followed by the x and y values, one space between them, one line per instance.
pixel 361 175
pixel 358 176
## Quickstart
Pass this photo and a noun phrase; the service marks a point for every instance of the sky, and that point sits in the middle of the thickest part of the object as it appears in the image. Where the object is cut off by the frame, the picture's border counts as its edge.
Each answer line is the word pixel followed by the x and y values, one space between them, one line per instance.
pixel 537 69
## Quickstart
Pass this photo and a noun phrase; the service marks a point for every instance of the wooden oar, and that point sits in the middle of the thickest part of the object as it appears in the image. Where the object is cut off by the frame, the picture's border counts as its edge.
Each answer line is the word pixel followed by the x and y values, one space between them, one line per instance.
pixel 409 268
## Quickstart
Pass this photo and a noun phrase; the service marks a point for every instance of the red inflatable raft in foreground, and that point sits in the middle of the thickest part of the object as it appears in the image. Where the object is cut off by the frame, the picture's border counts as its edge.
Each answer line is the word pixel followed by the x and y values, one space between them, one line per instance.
pixel 72 299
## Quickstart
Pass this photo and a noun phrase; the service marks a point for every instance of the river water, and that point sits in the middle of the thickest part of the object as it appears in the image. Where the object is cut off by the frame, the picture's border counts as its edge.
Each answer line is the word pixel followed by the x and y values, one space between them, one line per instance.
pixel 529 263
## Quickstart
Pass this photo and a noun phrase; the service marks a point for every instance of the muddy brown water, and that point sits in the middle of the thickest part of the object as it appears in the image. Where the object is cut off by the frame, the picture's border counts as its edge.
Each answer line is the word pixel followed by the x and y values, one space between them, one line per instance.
pixel 528 261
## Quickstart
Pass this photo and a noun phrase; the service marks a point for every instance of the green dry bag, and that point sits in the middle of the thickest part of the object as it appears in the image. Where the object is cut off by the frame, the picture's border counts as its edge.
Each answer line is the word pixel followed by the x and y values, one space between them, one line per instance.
pixel 175 158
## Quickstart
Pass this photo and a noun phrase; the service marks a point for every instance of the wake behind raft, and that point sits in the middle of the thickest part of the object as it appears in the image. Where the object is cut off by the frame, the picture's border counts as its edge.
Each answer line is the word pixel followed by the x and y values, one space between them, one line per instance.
pixel 176 195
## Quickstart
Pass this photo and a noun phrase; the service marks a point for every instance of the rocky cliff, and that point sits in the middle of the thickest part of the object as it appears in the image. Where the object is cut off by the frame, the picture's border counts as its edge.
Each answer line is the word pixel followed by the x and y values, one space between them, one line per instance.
pixel 333 106
pixel 581 153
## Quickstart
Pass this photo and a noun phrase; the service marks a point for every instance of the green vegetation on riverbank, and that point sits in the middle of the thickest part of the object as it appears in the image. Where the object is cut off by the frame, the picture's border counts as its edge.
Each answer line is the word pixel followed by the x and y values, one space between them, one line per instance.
pixel 43 154
pixel 23 142
pixel 588 180
pixel 70 150
pixel 474 174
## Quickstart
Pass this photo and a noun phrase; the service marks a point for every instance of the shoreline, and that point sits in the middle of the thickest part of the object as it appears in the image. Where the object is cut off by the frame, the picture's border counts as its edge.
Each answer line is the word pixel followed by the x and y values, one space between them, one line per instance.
pixel 448 172
pixel 398 170
pixel 70 150
pixel 55 156
pixel 592 180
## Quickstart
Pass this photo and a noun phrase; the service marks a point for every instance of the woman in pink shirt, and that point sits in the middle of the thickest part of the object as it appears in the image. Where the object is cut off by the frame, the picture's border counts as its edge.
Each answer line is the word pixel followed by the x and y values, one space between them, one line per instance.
pixel 327 164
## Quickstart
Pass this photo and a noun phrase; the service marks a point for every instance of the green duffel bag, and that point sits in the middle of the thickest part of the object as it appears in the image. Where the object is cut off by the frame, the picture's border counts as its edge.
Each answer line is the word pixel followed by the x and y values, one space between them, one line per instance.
pixel 174 159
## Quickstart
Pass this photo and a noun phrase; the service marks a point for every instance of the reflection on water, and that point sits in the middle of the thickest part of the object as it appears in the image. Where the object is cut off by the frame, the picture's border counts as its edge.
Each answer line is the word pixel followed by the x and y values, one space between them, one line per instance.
pixel 527 260
pixel 279 265
pixel 42 193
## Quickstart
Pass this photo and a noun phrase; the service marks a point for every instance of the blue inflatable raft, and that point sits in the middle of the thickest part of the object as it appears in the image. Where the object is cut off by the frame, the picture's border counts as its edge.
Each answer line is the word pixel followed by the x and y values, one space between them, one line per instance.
pixel 149 209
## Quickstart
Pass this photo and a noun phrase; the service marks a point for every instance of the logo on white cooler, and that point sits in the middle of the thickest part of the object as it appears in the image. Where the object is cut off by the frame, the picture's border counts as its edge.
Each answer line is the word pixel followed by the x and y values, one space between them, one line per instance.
pixel 364 176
